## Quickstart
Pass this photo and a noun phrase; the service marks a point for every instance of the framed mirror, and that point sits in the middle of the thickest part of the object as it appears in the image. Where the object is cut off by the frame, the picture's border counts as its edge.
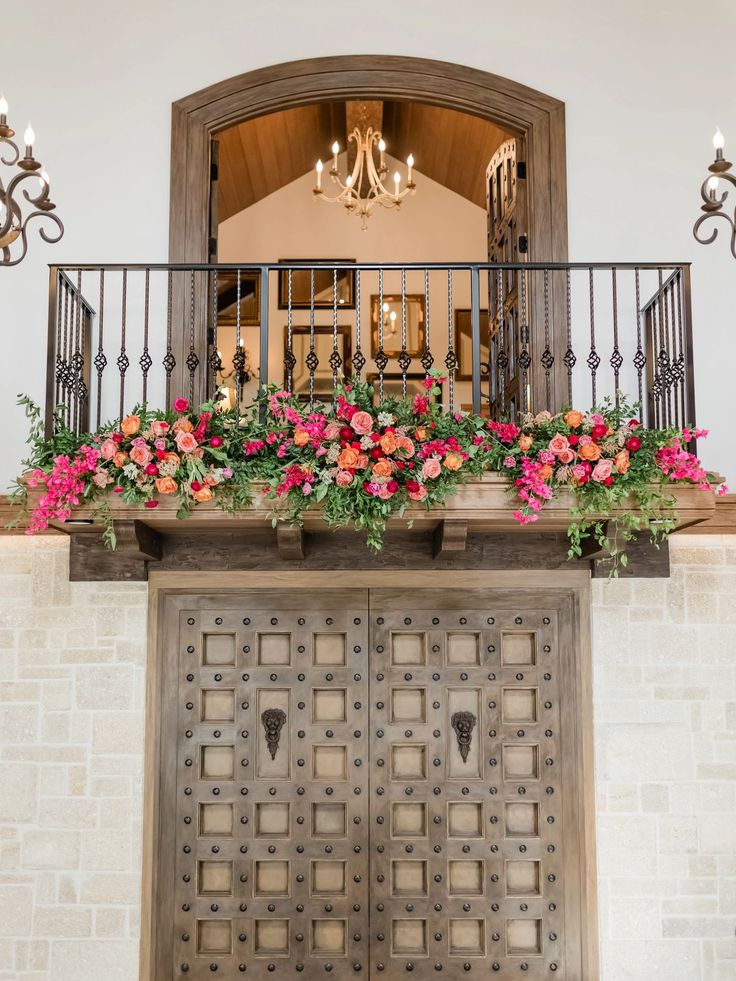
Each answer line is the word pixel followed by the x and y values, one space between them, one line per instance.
pixel 323 286
pixel 323 346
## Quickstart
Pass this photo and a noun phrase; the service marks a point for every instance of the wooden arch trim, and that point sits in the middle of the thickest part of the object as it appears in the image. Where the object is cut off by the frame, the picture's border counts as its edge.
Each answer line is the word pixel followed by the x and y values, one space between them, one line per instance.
pixel 538 118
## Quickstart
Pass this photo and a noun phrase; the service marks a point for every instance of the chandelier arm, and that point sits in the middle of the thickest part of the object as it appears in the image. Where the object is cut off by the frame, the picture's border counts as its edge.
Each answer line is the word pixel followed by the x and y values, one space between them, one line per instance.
pixel 709 198
pixel 51 239
pixel 10 197
pixel 714 234
pixel 14 159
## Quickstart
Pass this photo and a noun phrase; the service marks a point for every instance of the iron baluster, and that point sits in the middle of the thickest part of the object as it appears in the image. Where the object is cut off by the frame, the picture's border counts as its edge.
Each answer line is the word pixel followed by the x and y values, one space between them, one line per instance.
pixel 289 359
pixel 475 338
pixel 64 365
pixel 427 359
pixel 192 360
pixel 335 359
pixel 525 359
pixel 58 363
pixel 123 361
pixel 404 359
pixel 502 359
pixel 451 359
pixel 358 357
pixel 169 361
pixel 547 358
pixel 312 359
pixel 616 359
pixel 145 360
pixel 681 355
pixel 239 355
pixel 593 360
pixel 640 359
pixel 215 359
pixel 380 358
pixel 263 339
pixel 100 359
pixel 569 359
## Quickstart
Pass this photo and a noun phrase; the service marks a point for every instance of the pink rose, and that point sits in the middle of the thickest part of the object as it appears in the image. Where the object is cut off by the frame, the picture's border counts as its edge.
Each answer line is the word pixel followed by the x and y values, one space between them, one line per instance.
pixel 186 442
pixel 332 430
pixel 140 455
pixel 108 449
pixel 159 427
pixel 579 471
pixel 541 417
pixel 362 423
pixel 602 470
pixel 558 444
pixel 418 495
pixel 431 468
pixel 344 478
pixel 385 493
pixel 406 446
pixel 181 405
pixel 567 456
pixel 102 478
pixel 307 489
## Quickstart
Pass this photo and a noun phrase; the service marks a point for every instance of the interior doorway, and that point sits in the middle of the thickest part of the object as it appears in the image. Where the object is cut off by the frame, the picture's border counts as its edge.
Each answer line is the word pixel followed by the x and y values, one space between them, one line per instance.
pixel 372 780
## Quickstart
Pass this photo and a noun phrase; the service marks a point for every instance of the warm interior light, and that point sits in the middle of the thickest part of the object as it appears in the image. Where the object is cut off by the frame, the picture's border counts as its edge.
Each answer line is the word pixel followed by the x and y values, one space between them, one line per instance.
pixel 397 180
pixel 320 166
pixel 29 136
pixel 410 160
pixel 719 140
pixel 712 184
pixel 382 146
pixel 385 307
pixel 3 106
pixel 349 181
pixel 335 147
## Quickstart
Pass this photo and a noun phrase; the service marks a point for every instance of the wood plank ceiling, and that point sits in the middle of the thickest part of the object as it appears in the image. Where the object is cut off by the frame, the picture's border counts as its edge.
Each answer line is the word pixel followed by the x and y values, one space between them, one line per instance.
pixel 263 155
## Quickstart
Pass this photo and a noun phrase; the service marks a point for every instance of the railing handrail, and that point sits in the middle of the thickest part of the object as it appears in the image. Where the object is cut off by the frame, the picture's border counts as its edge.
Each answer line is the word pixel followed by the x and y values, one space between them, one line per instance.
pixel 655 297
pixel 372 266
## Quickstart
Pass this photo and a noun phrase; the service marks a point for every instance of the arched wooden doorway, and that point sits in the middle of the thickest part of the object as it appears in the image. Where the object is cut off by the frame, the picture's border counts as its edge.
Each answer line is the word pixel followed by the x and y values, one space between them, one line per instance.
pixel 538 118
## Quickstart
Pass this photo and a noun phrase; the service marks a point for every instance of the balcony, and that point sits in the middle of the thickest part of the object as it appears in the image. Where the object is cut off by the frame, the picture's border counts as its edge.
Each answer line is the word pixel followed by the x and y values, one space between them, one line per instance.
pixel 511 338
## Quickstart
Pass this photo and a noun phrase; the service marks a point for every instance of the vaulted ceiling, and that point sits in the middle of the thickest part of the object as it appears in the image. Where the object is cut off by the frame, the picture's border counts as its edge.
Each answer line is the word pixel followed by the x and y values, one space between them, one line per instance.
pixel 258 157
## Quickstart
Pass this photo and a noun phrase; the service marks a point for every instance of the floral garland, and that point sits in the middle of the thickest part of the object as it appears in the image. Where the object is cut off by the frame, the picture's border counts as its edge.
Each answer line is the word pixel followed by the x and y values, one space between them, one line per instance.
pixel 364 463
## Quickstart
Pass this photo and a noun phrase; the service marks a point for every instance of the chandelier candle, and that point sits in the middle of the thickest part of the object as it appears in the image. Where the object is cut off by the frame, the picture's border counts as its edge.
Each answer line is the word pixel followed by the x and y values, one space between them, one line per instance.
pixel 712 207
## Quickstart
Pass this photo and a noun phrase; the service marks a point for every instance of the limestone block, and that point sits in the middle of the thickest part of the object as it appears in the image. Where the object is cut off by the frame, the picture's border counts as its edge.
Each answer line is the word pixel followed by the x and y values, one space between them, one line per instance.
pixel 106 850
pixel 16 909
pixel 18 799
pixel 92 960
pixel 104 686
pixel 50 849
pixel 62 921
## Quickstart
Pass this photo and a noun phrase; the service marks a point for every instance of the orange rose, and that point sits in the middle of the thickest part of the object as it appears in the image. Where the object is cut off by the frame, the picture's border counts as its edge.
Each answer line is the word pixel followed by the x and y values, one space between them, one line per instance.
pixel 173 459
pixel 166 485
pixel 420 433
pixel 453 461
pixel 348 458
pixel 183 425
pixel 546 472
pixel 130 425
pixel 525 443
pixel 362 461
pixel 388 443
pixel 203 494
pixel 573 419
pixel 120 459
pixel 406 447
pixel 622 461
pixel 589 451
pixel 382 468
pixel 301 437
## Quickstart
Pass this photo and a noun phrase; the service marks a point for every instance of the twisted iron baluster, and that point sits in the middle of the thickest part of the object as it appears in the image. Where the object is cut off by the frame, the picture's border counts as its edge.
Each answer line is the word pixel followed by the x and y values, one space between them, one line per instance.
pixel 639 358
pixel 616 359
pixel 169 361
pixel 289 359
pixel 451 359
pixel 145 360
pixel 100 359
pixel 312 359
pixel 358 357
pixel 404 359
pixel 123 361
pixel 593 360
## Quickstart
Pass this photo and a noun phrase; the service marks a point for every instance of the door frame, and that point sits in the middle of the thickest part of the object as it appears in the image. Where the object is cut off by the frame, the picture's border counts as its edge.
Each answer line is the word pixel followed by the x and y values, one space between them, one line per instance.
pixel 569 592
pixel 526 112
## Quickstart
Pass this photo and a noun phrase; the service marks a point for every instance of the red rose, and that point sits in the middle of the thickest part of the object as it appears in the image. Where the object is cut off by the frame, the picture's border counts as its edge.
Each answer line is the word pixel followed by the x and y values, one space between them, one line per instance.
pixel 117 437
pixel 216 441
pixel 412 486
pixel 392 486
pixel 599 431
pixel 196 486
pixel 376 453
pixel 376 437
pixel 400 465
pixel 573 440
pixel 633 424
pixel 152 469
pixel 118 490
pixel 181 405
pixel 346 433
pixel 583 480
pixel 608 481
pixel 151 504
pixel 633 443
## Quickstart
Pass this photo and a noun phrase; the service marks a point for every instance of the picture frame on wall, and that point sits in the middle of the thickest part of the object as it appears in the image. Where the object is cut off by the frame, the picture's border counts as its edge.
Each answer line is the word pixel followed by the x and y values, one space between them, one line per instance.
pixel 464 343
pixel 416 324
pixel 250 298
pixel 323 347
pixel 323 286
pixel 392 384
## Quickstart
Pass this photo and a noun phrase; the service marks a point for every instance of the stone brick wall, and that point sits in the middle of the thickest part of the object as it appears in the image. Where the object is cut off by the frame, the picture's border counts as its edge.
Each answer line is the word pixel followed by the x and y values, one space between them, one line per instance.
pixel 72 660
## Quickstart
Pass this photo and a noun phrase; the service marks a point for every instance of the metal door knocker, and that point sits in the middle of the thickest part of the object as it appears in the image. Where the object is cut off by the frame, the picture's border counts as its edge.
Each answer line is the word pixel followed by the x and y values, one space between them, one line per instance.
pixel 273 721
pixel 463 723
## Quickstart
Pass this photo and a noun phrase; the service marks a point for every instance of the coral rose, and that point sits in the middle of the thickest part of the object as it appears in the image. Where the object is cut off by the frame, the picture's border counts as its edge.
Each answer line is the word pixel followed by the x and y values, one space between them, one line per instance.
pixel 602 470
pixel 453 461
pixel 567 457
pixel 183 425
pixel 573 418
pixel 202 495
pixel 382 468
pixel 388 443
pixel 186 442
pixel 301 437
pixel 542 417
pixel 419 494
pixel 348 458
pixel 159 427
pixel 622 461
pixel 172 459
pixel 332 430
pixel 362 423
pixel 141 455
pixel 130 425
pixel 589 451
pixel 545 472
pixel 362 461
pixel 431 468
pixel 166 485
pixel 558 444
pixel 405 446
pixel 420 433
pixel 343 478
pixel 120 459
pixel 108 449
pixel 525 443
pixel 102 478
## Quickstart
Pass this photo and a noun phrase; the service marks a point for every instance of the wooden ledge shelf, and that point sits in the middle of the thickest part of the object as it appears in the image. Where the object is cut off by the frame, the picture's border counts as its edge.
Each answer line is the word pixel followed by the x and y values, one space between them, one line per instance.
pixel 474 529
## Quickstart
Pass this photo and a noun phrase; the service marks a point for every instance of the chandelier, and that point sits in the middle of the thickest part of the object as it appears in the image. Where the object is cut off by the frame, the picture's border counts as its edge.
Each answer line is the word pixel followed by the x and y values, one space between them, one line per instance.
pixel 365 187
pixel 25 197
pixel 712 207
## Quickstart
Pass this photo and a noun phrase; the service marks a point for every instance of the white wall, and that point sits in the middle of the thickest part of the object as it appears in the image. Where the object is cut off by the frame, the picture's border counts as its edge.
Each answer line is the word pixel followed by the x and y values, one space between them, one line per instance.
pixel 434 225
pixel 644 86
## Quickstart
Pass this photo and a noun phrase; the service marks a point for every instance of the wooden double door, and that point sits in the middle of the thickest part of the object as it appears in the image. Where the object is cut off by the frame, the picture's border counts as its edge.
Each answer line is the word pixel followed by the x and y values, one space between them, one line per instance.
pixel 367 783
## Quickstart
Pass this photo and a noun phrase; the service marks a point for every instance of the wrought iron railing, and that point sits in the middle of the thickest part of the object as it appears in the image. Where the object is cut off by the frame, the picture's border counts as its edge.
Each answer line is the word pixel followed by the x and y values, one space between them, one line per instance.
pixel 510 337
